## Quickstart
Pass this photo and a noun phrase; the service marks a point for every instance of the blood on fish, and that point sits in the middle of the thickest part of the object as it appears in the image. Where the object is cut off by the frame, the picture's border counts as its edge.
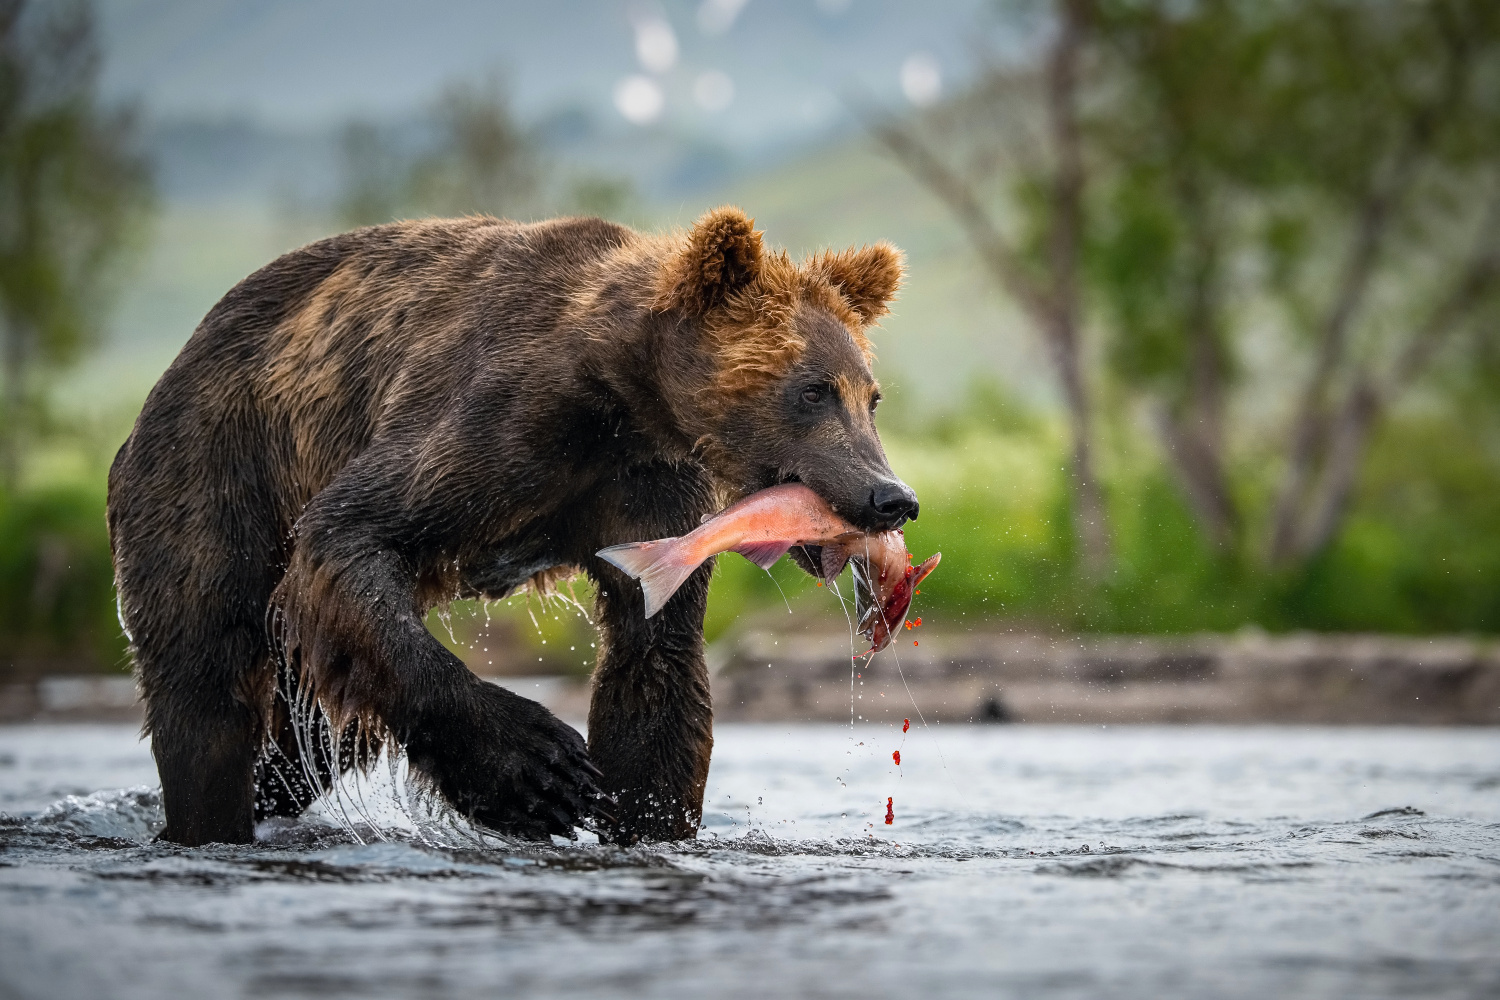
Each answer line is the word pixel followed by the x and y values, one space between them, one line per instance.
pixel 896 756
pixel 905 725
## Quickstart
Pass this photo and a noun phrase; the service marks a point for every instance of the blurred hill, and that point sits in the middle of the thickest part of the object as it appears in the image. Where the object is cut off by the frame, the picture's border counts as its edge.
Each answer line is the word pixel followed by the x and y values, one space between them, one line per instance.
pixel 949 327
pixel 245 104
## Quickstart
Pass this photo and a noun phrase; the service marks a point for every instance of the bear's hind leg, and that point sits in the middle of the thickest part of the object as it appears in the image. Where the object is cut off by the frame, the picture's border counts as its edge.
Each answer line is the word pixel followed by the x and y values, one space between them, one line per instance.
pixel 198 546
pixel 205 745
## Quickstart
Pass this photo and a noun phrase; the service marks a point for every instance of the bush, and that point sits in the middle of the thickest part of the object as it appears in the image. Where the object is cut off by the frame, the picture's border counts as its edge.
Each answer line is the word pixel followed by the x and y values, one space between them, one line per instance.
pixel 1420 554
pixel 57 608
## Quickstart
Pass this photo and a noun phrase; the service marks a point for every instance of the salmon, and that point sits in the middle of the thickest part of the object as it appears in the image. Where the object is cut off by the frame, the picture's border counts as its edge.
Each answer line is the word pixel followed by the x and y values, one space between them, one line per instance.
pixel 762 528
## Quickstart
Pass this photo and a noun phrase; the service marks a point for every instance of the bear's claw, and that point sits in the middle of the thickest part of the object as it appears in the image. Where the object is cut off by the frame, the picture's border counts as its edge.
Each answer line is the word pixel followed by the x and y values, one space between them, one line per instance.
pixel 515 768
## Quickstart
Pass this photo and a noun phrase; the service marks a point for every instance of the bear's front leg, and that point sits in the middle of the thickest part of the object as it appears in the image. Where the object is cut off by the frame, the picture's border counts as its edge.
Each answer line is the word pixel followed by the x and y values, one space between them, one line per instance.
pixel 651 717
pixel 350 624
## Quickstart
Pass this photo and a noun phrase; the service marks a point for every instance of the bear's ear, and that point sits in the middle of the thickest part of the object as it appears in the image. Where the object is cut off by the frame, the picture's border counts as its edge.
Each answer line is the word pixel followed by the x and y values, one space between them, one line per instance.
pixel 868 277
pixel 721 256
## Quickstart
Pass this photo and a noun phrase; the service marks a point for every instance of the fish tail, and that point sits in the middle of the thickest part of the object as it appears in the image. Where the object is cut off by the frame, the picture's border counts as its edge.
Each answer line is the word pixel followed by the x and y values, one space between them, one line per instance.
pixel 661 566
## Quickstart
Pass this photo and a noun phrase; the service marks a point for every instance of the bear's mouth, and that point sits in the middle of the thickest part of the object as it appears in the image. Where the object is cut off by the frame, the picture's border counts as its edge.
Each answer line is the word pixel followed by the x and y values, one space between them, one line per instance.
pixel 775 477
pixel 809 558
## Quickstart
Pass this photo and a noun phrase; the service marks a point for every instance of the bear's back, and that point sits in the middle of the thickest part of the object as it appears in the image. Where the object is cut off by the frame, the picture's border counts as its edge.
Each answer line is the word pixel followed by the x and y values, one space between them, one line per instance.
pixel 336 342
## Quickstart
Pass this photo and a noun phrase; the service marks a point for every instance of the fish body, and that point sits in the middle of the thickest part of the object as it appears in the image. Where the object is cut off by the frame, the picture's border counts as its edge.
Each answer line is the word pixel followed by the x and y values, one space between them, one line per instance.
pixel 762 527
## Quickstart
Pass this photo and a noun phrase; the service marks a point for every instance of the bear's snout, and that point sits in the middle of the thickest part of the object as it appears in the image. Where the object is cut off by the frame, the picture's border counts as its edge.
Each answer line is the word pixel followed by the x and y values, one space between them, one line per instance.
pixel 892 504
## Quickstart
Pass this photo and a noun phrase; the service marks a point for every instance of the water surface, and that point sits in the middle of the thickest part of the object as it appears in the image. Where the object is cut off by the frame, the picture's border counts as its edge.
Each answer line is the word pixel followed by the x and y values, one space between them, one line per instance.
pixel 1022 861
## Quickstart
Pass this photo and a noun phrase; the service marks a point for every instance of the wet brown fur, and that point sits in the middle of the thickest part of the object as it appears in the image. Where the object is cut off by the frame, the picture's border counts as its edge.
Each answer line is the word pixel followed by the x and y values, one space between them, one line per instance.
pixel 399 416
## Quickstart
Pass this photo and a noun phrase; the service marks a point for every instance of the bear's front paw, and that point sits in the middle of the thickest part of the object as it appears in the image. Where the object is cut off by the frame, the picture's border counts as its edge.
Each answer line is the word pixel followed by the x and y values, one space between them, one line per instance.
pixel 518 770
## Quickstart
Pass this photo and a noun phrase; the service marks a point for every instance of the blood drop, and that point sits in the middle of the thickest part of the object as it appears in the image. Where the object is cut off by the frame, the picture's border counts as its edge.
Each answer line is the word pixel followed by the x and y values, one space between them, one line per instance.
pixel 890 811
pixel 905 725
pixel 897 758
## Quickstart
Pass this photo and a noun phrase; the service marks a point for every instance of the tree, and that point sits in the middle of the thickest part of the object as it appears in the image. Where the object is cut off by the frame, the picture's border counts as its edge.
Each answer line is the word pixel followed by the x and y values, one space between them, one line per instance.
pixel 1180 115
pixel 476 159
pixel 1327 168
pixel 468 155
pixel 1388 137
pixel 72 192
pixel 1287 137
pixel 1036 260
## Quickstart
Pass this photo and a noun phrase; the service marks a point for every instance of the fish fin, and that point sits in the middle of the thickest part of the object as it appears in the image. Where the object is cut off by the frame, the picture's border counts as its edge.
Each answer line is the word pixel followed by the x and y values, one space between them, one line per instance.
pixel 661 566
pixel 763 554
pixel 927 566
pixel 834 559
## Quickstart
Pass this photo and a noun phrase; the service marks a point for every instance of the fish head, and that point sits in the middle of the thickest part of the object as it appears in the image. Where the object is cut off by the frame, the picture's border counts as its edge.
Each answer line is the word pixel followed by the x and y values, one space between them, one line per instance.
pixel 881 603
pixel 815 424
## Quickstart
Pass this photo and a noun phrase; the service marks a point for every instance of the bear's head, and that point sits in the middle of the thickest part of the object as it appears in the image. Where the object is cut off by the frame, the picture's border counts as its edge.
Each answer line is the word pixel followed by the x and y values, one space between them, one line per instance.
pixel 791 396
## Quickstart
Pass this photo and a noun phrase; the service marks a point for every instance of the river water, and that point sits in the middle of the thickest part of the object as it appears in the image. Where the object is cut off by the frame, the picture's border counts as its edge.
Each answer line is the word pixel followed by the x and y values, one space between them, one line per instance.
pixel 1021 861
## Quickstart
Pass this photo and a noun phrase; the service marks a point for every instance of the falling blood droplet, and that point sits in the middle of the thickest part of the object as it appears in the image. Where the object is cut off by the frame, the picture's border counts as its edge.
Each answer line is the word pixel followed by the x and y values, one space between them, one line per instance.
pixel 896 756
pixel 905 725
pixel 914 642
pixel 890 812
pixel 918 622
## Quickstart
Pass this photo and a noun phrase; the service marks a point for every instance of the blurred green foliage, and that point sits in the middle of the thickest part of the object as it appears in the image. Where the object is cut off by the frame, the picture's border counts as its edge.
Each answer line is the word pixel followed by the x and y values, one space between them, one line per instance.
pixel 74 191
pixel 57 606
pixel 1421 552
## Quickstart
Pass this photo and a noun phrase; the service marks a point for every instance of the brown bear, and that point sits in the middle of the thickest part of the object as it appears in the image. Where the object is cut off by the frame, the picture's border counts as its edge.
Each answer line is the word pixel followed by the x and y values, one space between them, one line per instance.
pixel 417 412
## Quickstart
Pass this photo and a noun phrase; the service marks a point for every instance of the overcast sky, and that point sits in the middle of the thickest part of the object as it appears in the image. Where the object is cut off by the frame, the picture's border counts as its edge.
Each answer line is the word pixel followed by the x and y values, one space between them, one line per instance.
pixel 745 72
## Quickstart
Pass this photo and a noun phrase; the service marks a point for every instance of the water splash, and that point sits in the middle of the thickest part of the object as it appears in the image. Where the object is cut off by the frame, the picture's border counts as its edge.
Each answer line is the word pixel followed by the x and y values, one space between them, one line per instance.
pixel 118 814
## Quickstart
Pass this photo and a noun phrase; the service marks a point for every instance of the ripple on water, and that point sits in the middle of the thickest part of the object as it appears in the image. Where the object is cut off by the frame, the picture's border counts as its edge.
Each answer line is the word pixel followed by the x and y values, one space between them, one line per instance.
pixel 1153 877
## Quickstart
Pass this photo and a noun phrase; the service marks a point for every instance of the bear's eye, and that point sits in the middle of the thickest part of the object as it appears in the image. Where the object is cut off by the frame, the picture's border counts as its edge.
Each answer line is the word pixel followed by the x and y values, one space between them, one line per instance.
pixel 812 394
pixel 874 402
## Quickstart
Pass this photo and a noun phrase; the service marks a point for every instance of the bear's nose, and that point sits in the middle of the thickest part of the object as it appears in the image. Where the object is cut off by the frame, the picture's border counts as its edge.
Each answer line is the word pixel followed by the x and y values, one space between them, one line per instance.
pixel 894 503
